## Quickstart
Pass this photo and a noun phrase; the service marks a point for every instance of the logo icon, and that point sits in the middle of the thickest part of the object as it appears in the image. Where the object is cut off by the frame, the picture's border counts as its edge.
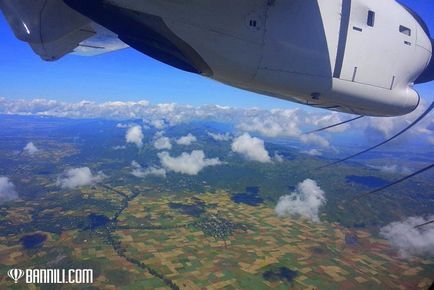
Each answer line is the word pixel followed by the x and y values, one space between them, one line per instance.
pixel 16 274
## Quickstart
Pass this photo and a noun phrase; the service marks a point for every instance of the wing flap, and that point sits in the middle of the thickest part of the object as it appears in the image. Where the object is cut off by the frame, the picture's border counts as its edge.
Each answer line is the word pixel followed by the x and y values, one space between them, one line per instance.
pixel 102 41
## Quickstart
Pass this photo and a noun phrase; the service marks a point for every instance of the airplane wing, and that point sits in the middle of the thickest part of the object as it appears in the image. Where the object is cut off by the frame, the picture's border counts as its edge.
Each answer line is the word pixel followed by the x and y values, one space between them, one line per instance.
pixel 53 29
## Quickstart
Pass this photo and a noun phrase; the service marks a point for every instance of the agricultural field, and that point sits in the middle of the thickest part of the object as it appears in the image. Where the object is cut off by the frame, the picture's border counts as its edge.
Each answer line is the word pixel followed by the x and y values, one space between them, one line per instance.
pixel 155 243
pixel 218 229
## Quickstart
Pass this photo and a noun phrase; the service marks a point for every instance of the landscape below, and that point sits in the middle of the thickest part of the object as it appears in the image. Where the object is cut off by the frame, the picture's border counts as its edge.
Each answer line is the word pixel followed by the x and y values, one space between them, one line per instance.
pixel 217 229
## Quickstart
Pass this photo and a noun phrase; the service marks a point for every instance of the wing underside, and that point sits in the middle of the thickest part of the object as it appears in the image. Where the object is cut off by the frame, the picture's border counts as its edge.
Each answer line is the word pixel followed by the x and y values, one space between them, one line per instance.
pixel 53 29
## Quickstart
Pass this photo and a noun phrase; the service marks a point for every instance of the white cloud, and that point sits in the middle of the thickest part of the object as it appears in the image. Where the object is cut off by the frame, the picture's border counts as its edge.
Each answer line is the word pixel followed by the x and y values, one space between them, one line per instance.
pixel 312 152
pixel 78 177
pixel 167 107
pixel 186 140
pixel 220 137
pixel 139 171
pixel 393 169
pixel 386 127
pixel 277 157
pixel 30 148
pixel 251 148
pixel 305 201
pixel 119 147
pixel 268 126
pixel 283 123
pixel 408 240
pixel 315 139
pixel 159 124
pixel 190 164
pixel 82 109
pixel 327 120
pixel 7 190
pixel 287 123
pixel 161 142
pixel 125 125
pixel 135 136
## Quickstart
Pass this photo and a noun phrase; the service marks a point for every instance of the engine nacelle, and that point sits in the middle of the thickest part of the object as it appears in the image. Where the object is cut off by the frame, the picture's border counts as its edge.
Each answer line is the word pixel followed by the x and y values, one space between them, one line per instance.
pixel 355 56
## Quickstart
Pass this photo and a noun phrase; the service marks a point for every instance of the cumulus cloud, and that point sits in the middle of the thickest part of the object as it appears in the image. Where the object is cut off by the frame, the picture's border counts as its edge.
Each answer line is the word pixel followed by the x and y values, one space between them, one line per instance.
pixel 125 125
pixel 277 157
pixel 186 140
pixel 408 240
pixel 305 201
pixel 82 109
pixel 161 142
pixel 327 120
pixel 119 147
pixel 186 163
pixel 7 190
pixel 167 107
pixel 30 148
pixel 78 177
pixel 315 140
pixel 312 152
pixel 286 123
pixel 159 124
pixel 266 125
pixel 219 136
pixel 393 169
pixel 251 148
pixel 283 123
pixel 386 127
pixel 139 171
pixel 135 136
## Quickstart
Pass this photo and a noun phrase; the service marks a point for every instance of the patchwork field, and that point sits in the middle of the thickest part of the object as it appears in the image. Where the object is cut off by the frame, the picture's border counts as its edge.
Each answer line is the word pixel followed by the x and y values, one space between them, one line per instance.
pixel 207 241
pixel 214 230
pixel 318 253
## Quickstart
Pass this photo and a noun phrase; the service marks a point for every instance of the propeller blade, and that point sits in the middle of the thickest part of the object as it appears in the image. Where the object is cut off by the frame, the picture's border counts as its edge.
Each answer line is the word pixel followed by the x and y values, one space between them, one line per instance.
pixel 424 224
pixel 394 183
pixel 332 126
pixel 430 108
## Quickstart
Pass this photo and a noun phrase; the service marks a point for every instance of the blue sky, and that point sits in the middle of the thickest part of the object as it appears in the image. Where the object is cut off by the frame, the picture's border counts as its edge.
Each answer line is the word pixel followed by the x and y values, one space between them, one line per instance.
pixel 129 75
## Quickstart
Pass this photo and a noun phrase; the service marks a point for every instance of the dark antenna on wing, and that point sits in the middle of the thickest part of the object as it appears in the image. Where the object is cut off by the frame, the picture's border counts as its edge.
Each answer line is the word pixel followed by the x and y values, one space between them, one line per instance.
pixel 430 108
pixel 394 183
pixel 332 126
